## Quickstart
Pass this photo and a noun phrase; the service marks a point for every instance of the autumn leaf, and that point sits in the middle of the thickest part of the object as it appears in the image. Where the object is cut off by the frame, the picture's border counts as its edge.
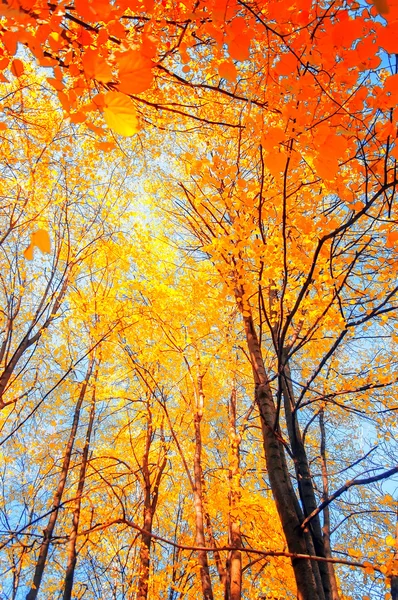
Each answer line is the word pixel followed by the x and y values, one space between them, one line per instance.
pixel 55 83
pixel 227 70
pixel 41 240
pixel 96 67
pixel 381 6
pixel 120 114
pixel 326 166
pixel 392 238
pixel 135 72
pixel 28 253
pixel 17 67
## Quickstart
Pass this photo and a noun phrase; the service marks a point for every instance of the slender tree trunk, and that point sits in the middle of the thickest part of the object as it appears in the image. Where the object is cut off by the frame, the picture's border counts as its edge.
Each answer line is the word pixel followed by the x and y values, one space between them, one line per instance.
pixel 233 588
pixel 196 482
pixel 145 551
pixel 16 573
pixel 285 499
pixel 394 578
pixel 326 513
pixel 176 551
pixel 146 538
pixel 151 495
pixel 48 531
pixel 222 573
pixel 200 540
pixel 305 483
pixel 72 554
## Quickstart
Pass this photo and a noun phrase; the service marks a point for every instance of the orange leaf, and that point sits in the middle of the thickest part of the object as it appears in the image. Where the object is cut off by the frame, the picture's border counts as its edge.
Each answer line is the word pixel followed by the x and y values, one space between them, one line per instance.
pixel 357 206
pixel 56 84
pixel 10 40
pixel 17 67
pixel 326 166
pixel 41 239
pixel 96 67
pixel 85 9
pixel 388 37
pixel 119 113
pixel 239 47
pixel 381 6
pixel 28 253
pixel 106 146
pixel 228 71
pixel 276 163
pixel 392 237
pixel 287 64
pixel 78 117
pixel 135 72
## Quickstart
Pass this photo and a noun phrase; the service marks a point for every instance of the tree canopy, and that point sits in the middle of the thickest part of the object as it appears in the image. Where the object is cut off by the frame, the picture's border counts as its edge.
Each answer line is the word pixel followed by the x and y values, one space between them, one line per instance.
pixel 198 296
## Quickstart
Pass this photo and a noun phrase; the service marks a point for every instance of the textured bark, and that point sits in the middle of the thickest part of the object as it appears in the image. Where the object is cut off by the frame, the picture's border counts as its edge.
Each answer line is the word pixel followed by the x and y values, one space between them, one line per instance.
pixel 216 554
pixel 16 573
pixel 394 578
pixel 326 514
pixel 305 482
pixel 48 531
pixel 151 495
pixel 71 551
pixel 281 486
pixel 394 587
pixel 233 588
pixel 200 540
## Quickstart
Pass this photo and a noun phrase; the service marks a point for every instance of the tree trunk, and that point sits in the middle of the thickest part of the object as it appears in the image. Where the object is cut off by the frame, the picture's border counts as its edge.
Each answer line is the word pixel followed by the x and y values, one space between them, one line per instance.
pixel 233 588
pixel 200 540
pixel 151 495
pixel 72 555
pixel 216 554
pixel 16 573
pixel 48 531
pixel 394 578
pixel 285 499
pixel 305 482
pixel 326 514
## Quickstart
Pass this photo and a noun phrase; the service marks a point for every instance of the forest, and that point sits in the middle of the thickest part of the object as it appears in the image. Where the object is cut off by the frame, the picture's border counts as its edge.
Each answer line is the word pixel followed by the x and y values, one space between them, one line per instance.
pixel 198 299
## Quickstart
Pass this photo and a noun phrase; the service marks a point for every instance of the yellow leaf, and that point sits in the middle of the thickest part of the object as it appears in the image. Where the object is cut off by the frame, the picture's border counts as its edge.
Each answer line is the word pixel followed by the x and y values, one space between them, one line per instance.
pixel 390 541
pixel 120 114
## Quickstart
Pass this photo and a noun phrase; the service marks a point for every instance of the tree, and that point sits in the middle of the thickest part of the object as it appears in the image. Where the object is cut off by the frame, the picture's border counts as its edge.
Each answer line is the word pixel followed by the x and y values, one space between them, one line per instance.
pixel 264 136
